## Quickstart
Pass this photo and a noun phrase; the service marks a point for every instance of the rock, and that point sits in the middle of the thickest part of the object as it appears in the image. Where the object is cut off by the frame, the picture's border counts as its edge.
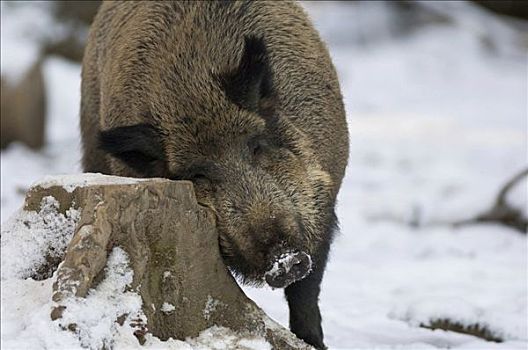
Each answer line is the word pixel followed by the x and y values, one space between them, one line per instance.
pixel 23 109
pixel 172 246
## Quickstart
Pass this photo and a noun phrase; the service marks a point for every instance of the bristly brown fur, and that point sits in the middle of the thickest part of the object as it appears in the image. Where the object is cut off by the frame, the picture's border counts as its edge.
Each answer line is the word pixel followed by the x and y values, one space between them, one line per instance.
pixel 242 99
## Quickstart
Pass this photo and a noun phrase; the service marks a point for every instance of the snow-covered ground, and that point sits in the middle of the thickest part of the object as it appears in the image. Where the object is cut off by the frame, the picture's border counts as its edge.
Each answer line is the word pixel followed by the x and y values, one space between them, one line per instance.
pixel 437 123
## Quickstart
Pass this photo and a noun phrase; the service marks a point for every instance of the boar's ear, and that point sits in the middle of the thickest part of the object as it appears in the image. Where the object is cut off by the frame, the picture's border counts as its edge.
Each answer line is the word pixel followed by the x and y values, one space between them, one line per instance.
pixel 138 146
pixel 250 85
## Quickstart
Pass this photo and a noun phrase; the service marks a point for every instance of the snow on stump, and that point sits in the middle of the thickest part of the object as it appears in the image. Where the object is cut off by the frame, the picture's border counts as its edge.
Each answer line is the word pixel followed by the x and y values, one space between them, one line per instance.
pixel 172 248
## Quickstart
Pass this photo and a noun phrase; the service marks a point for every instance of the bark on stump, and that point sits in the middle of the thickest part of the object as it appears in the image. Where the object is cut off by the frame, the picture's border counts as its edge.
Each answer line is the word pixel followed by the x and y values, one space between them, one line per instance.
pixel 172 245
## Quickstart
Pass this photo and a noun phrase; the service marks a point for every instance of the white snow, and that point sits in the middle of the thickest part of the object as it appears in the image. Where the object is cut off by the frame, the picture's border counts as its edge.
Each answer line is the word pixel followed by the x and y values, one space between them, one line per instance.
pixel 459 310
pixel 26 307
pixel 95 315
pixel 284 263
pixel 437 124
pixel 167 307
pixel 71 182
pixel 219 338
pixel 29 237
pixel 285 258
pixel 26 324
pixel 210 306
pixel 274 271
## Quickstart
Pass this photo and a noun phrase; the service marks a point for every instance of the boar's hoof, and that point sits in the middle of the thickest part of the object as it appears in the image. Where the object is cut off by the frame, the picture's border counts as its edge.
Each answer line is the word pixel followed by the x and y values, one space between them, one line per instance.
pixel 288 268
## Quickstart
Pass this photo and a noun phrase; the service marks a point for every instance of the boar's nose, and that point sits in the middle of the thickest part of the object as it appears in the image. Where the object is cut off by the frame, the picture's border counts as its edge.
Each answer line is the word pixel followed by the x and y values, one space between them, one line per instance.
pixel 288 268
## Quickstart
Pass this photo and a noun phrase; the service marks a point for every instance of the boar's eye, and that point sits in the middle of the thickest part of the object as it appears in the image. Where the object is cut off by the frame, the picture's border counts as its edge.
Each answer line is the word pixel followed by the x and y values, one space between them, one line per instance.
pixel 257 146
pixel 200 174
pixel 200 180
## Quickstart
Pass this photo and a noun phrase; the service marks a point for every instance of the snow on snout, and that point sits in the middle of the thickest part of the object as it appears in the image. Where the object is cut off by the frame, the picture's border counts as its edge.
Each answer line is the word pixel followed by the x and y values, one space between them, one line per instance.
pixel 289 267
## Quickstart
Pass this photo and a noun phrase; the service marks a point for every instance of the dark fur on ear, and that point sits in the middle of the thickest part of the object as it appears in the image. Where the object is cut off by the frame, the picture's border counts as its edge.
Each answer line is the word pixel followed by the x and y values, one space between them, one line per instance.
pixel 250 85
pixel 138 146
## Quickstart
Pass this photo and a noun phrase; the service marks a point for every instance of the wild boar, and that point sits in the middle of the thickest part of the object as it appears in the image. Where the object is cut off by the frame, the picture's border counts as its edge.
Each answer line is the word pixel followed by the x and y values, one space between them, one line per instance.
pixel 242 99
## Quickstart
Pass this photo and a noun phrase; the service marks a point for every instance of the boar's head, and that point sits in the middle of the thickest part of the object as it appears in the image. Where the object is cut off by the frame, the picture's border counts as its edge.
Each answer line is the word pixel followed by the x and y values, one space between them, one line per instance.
pixel 249 163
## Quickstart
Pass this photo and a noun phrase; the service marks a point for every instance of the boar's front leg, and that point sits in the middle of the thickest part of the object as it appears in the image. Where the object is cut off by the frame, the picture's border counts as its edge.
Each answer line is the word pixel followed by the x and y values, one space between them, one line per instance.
pixel 303 298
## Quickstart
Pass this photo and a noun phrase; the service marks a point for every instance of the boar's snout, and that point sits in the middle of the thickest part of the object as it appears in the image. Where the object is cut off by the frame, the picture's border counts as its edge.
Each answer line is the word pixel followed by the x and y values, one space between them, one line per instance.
pixel 288 268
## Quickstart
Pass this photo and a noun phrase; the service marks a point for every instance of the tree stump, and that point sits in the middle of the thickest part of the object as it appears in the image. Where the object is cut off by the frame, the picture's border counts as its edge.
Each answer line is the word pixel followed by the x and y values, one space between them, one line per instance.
pixel 172 246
